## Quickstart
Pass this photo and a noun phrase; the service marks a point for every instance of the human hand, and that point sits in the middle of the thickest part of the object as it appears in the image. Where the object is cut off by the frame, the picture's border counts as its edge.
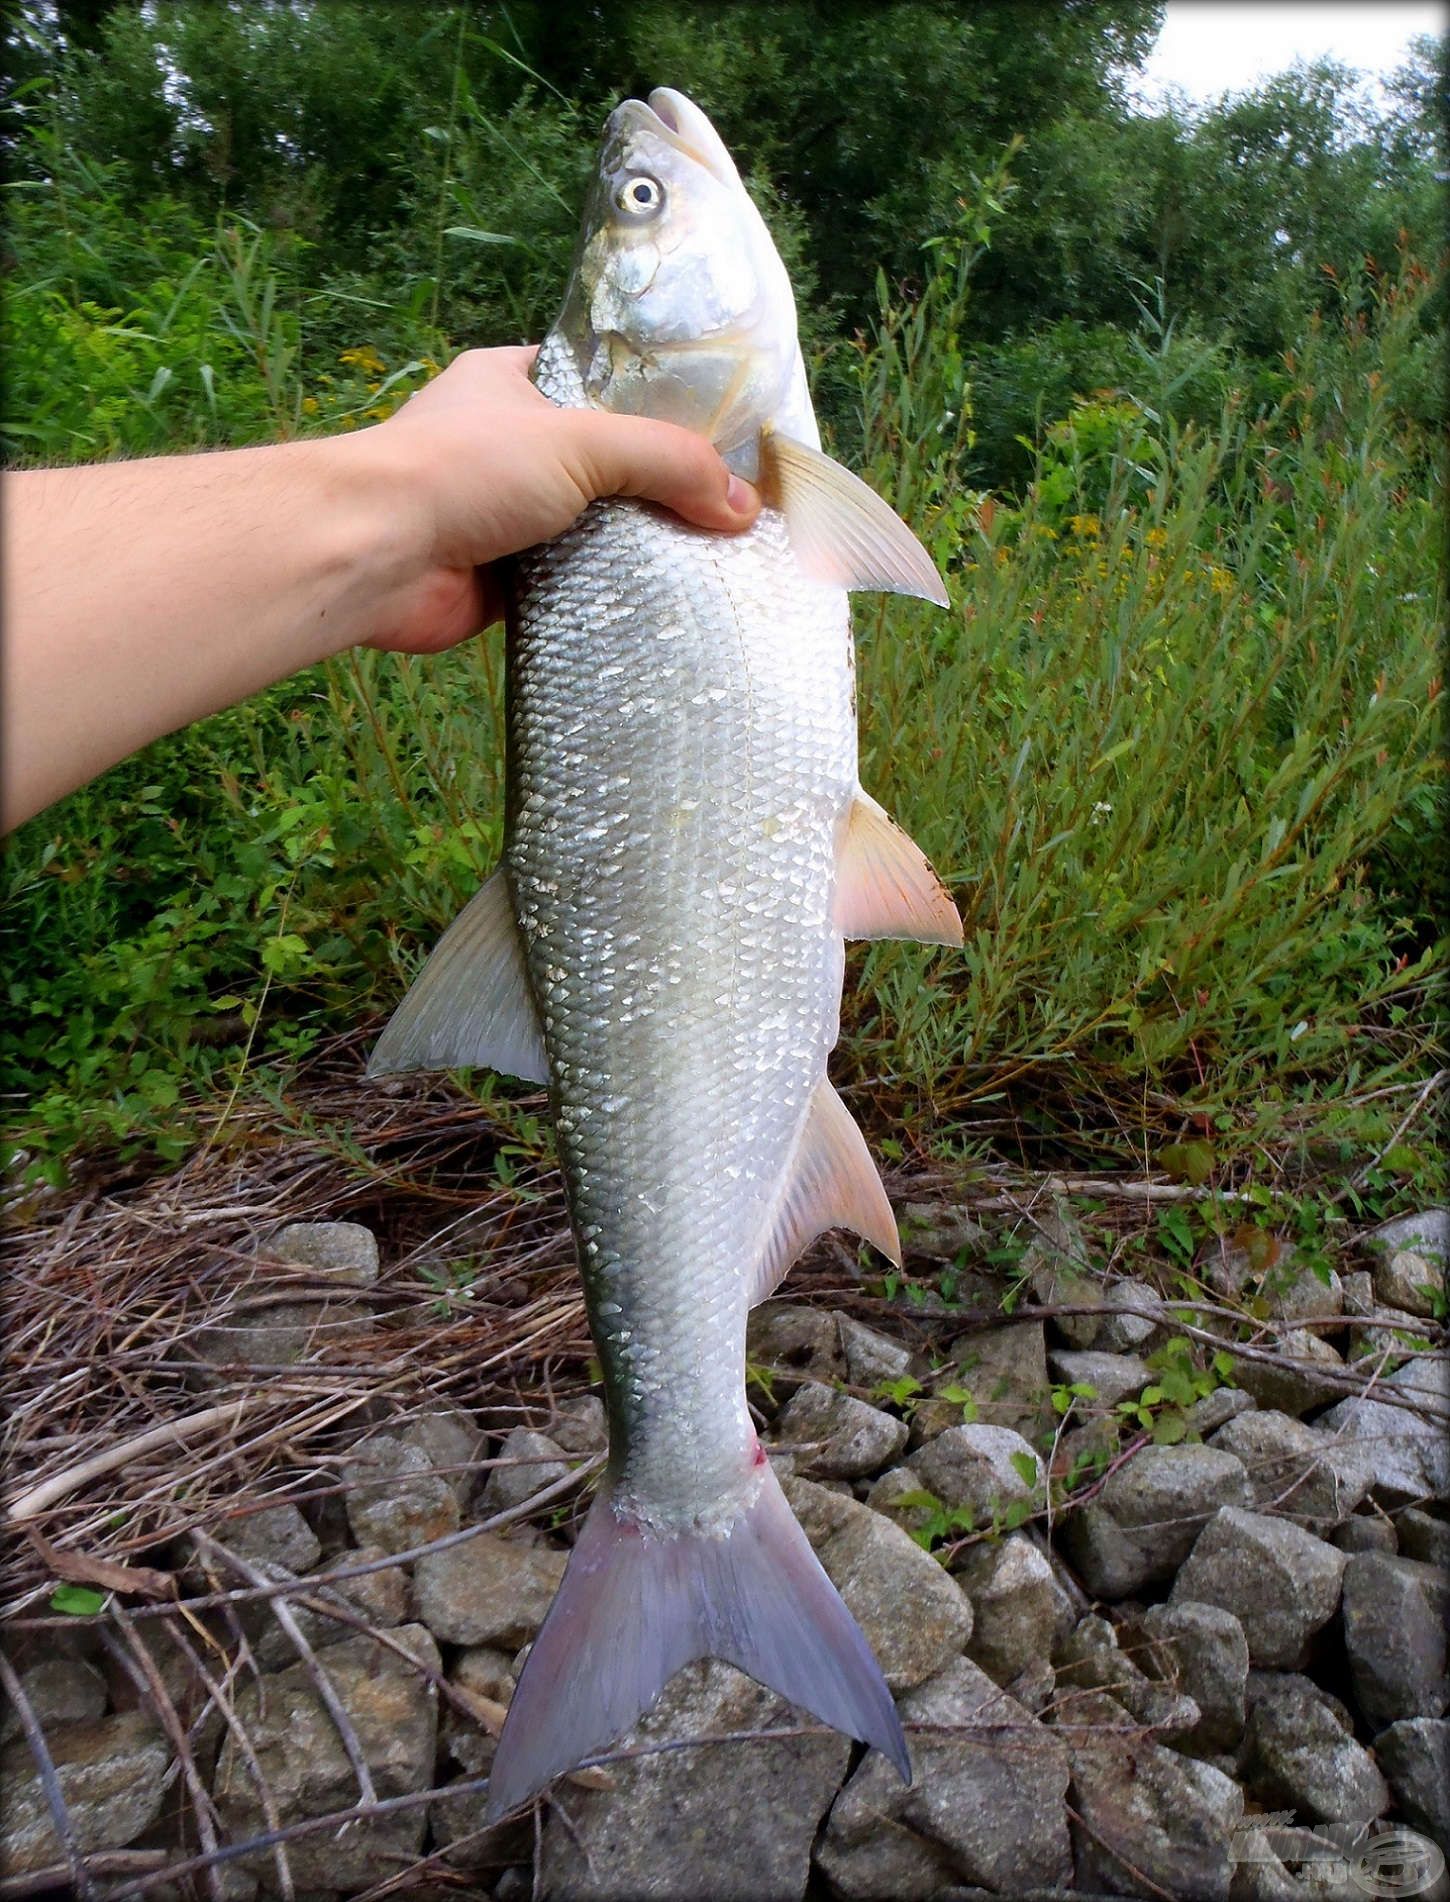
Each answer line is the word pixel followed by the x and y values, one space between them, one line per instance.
pixel 479 464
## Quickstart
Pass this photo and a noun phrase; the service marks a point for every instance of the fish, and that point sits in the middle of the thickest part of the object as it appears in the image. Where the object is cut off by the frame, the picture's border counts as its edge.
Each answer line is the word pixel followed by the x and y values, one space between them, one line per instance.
pixel 687 850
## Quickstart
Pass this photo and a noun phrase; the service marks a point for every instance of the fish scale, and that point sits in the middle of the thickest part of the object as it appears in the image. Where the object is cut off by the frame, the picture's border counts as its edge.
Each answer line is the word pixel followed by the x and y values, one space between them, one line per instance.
pixel 673 882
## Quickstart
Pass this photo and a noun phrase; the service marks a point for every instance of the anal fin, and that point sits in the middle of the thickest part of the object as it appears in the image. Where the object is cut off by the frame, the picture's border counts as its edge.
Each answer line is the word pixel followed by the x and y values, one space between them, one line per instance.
pixel 471 1003
pixel 833 1183
pixel 885 886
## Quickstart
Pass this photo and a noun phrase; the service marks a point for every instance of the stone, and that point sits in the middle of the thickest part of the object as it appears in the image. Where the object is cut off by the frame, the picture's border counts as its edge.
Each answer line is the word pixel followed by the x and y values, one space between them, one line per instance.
pixel 1395 1613
pixel 982 1468
pixel 1294 1469
pixel 1300 1752
pixel 59 1691
pixel 1130 1317
pixel 1014 1605
pixel 1213 1410
pixel 1142 1525
pixel 451 1441
pixel 539 1462
pixel 1151 1820
pixel 941 1231
pixel 1004 1369
pixel 1305 1294
pixel 110 1771
pixel 392 1706
pixel 873 1358
pixel 1409 1257
pixel 1202 1649
pixel 986 1807
pixel 914 1615
pixel 344 1252
pixel 488 1590
pixel 1058 1268
pixel 728 1823
pixel 791 1344
pixel 1113 1377
pixel 1388 1337
pixel 1420 1535
pixel 467 1841
pixel 855 1438
pixel 1035 1686
pixel 1415 1757
pixel 277 1535
pixel 394 1498
pixel 1304 1373
pixel 892 1495
pixel 1366 1532
pixel 1090 1659
pixel 1279 1581
pixel 1405 1450
pixel 379 1597
pixel 580 1425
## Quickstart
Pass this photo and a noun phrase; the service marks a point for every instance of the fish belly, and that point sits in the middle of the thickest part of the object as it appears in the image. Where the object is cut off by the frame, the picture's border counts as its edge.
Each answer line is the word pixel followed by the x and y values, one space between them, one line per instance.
pixel 682 761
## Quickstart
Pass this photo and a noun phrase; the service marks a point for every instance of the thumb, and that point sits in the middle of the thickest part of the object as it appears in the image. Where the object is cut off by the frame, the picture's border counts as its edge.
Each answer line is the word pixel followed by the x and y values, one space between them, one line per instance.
pixel 660 462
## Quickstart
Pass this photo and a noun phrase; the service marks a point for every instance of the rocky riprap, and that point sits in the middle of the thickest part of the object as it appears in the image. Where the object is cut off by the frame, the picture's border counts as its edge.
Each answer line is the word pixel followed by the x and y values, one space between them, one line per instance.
pixel 1204 1658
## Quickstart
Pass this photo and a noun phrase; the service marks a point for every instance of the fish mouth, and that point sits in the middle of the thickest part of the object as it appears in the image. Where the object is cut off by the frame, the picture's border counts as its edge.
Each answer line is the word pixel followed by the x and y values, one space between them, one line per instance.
pixel 680 122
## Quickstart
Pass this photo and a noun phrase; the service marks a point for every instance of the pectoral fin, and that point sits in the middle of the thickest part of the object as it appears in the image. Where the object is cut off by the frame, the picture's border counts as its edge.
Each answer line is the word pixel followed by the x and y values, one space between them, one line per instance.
pixel 471 1003
pixel 841 531
pixel 885 886
pixel 833 1184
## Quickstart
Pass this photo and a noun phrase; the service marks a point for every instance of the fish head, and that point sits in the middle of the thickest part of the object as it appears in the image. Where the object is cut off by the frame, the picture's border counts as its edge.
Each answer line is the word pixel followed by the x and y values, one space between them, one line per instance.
pixel 679 307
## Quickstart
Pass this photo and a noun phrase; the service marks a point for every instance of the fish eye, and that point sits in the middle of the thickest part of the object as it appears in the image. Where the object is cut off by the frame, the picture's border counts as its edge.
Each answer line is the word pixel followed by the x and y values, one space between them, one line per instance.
pixel 640 196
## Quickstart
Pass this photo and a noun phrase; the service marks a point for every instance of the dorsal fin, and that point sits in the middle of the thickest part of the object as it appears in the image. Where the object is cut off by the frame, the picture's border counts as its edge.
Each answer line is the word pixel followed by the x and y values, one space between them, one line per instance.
pixel 885 886
pixel 841 531
pixel 471 1003
pixel 833 1183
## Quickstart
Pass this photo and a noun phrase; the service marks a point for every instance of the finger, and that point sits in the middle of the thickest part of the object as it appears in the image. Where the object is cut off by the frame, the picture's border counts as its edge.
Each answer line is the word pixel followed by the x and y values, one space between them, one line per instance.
pixel 660 462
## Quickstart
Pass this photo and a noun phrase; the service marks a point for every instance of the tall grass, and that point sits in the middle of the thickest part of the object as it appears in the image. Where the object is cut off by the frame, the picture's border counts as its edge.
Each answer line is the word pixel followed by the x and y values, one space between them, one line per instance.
pixel 1172 744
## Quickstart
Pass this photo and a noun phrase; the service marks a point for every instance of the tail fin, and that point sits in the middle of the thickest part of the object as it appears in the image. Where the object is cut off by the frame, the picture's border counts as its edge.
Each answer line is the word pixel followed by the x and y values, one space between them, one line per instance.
pixel 635 1606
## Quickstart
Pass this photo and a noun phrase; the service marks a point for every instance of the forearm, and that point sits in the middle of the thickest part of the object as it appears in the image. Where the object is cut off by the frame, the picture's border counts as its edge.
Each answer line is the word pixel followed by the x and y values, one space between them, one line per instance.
pixel 142 595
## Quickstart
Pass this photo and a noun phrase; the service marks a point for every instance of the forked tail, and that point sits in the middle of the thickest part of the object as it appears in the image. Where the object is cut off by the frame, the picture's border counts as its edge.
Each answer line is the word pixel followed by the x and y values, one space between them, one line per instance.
pixel 635 1606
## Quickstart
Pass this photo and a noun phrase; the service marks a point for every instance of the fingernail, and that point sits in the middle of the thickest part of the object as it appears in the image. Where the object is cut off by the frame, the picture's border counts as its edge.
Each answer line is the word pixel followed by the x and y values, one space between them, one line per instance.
pixel 739 496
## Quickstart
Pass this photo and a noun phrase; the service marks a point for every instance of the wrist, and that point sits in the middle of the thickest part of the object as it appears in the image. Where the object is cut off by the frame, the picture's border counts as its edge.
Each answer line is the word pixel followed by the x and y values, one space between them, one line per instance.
pixel 379 537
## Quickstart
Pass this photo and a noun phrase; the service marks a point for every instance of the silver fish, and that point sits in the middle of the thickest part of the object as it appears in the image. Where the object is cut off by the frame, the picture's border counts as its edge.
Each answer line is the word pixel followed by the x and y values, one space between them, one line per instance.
pixel 687 849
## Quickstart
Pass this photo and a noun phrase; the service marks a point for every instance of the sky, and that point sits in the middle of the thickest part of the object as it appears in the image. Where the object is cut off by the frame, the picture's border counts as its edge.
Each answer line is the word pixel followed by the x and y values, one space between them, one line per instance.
pixel 1208 47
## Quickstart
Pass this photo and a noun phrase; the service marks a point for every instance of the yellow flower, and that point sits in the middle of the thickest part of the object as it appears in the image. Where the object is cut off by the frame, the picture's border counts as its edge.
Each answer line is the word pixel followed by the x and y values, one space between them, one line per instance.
pixel 365 358
pixel 309 406
pixel 1088 527
pixel 1156 537
pixel 1220 580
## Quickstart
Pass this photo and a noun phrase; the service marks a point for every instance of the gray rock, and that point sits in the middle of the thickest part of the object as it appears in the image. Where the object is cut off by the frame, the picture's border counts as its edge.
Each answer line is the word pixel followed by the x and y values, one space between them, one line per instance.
pixel 59 1691
pixel 1004 1369
pixel 467 1841
pixel 1420 1535
pixel 1415 1757
pixel 1406 1451
pixel 488 1590
pixel 1130 1317
pixel 392 1706
pixel 856 1438
pixel 110 1772
pixel 1035 1686
pixel 1214 1410
pixel 941 1231
pixel 1304 1294
pixel 1145 1809
pixel 725 1824
pixel 1366 1532
pixel 1388 1337
pixel 1304 1373
pixel 1014 1605
pixel 451 1442
pixel 978 1467
pixel 1090 1659
pixel 277 1535
pixel 580 1425
pixel 791 1344
pixel 986 1806
pixel 1395 1612
pixel 891 1494
pixel 539 1462
pixel 1409 1260
pixel 1143 1523
pixel 1300 1752
pixel 914 1615
pixel 1294 1469
pixel 872 1358
pixel 344 1252
pixel 379 1597
pixel 1058 1268
pixel 394 1498
pixel 1111 1376
pixel 1202 1649
pixel 1279 1581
